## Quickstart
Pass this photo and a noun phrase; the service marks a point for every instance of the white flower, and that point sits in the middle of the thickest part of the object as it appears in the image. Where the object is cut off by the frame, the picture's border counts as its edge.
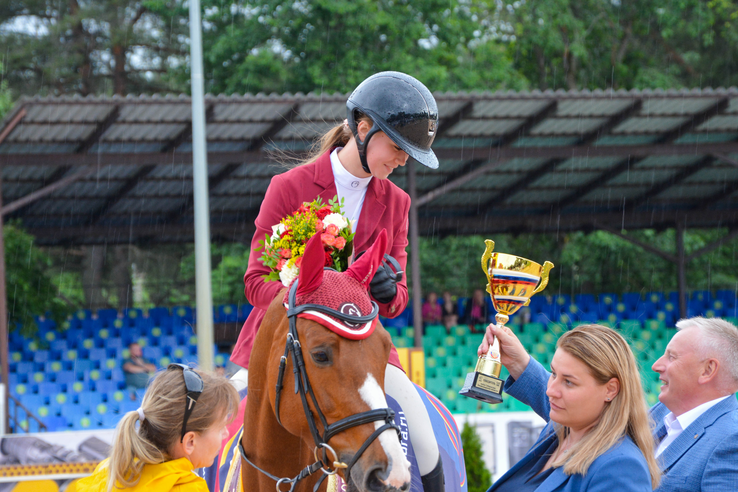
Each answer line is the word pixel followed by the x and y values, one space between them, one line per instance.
pixel 277 231
pixel 336 219
pixel 288 274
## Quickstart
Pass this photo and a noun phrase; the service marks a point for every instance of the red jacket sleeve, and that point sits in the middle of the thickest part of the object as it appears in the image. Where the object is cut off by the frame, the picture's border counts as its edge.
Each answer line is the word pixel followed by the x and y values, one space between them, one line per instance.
pixel 398 251
pixel 274 208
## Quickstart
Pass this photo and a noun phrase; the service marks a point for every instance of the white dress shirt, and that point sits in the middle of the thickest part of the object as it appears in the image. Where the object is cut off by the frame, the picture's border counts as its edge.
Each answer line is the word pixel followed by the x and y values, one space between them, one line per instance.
pixel 350 188
pixel 675 425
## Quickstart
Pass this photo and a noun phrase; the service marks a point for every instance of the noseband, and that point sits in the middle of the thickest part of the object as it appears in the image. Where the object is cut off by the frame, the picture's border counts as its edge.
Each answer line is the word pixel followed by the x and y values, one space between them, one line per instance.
pixel 303 387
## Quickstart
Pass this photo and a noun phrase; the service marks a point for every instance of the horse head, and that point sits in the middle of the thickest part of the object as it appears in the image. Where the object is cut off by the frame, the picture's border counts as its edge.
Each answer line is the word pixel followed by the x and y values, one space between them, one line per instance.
pixel 324 376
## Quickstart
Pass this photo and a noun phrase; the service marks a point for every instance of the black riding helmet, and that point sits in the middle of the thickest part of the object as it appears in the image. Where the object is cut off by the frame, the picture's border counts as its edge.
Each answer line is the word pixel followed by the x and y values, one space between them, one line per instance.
pixel 400 106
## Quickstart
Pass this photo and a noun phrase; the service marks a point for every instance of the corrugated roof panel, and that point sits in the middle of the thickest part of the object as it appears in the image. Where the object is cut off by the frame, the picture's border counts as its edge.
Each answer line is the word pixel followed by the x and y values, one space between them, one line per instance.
pixel 537 196
pixel 173 171
pixel 496 181
pixel 305 130
pixel 611 196
pixel 40 173
pixel 73 113
pixel 689 191
pixel 667 161
pixel 588 163
pixel 591 107
pixel 88 189
pixel 251 111
pixel 147 205
pixel 429 182
pixel 455 200
pixel 71 132
pixel 732 105
pixel 37 148
pixel 564 179
pixel 236 131
pixel 564 126
pixel 78 206
pixel 234 203
pixel 156 113
pixel 13 191
pixel 519 165
pixel 162 188
pixel 261 169
pixel 703 138
pixel 218 146
pixel 447 108
pixel 142 132
pixel 107 173
pixel 245 186
pixel 484 127
pixel 648 177
pixel 323 110
pixel 652 124
pixel 676 105
pixel 720 123
pixel 499 108
pixel 715 173
pixel 626 139
pixel 399 180
pixel 544 141
pixel 465 142
pixel 124 147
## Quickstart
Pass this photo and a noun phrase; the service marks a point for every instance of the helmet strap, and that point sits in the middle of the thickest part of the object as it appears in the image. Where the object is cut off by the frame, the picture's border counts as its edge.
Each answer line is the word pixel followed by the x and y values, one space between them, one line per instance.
pixel 362 145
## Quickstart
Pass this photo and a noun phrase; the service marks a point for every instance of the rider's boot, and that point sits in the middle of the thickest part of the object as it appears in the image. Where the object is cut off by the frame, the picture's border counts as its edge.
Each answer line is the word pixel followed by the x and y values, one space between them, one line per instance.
pixel 434 481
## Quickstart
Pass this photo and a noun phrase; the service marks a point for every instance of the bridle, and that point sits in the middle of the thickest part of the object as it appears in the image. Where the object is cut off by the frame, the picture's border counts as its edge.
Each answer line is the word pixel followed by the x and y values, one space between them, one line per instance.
pixel 303 387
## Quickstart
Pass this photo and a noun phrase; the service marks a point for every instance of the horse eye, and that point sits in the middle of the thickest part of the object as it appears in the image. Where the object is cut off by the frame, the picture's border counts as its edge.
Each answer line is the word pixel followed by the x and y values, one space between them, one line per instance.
pixel 320 357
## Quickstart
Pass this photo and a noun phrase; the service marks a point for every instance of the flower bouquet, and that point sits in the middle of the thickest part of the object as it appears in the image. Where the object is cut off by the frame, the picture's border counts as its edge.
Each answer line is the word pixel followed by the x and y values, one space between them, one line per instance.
pixel 283 250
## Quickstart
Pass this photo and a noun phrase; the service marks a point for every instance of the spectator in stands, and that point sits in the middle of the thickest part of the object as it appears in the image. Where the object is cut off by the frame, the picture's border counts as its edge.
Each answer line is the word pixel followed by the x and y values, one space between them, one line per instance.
pixel 172 438
pixel 598 435
pixel 476 312
pixel 137 369
pixel 450 312
pixel 431 310
pixel 697 415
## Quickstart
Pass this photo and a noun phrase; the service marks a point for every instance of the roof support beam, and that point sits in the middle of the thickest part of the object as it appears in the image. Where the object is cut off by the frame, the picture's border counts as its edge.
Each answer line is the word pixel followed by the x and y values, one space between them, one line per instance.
pixel 659 188
pixel 619 168
pixel 46 190
pixel 477 167
pixel 551 164
pixel 276 127
pixel 142 173
pixel 12 124
pixel 186 131
pixel 645 246
pixel 100 130
pixel 450 121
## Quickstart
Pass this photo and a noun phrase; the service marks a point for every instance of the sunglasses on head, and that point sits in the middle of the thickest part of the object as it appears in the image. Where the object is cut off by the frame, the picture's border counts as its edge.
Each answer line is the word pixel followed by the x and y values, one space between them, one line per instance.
pixel 194 385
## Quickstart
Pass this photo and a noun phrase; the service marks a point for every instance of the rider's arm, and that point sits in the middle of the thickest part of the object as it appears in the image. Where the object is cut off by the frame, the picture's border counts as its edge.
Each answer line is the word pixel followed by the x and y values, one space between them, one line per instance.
pixel 398 250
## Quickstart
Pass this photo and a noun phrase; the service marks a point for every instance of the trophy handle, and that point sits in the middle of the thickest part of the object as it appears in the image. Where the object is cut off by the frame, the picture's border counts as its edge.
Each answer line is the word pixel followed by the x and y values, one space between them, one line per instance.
pixel 489 247
pixel 547 266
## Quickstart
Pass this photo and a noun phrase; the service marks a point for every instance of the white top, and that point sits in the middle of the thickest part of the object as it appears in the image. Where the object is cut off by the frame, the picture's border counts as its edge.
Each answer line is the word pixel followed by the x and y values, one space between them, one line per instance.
pixel 675 425
pixel 350 188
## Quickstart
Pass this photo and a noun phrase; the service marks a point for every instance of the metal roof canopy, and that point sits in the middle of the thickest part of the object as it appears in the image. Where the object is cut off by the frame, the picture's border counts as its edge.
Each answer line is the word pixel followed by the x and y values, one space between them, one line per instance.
pixel 118 170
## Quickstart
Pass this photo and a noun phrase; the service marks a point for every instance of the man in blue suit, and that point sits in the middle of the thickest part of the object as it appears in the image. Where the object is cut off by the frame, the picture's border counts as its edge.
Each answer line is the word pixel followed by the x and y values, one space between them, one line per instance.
pixel 697 417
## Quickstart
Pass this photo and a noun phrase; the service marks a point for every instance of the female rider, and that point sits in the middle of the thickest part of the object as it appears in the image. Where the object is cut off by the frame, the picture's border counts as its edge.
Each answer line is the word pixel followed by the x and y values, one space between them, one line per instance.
pixel 398 115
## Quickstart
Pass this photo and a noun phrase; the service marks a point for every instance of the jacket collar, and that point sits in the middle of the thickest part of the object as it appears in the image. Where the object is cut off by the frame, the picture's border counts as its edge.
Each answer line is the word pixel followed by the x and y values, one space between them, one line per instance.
pixel 371 211
pixel 693 433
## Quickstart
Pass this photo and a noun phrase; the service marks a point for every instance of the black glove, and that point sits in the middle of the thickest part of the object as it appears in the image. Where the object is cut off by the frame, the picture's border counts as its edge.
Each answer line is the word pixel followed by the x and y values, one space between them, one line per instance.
pixel 383 286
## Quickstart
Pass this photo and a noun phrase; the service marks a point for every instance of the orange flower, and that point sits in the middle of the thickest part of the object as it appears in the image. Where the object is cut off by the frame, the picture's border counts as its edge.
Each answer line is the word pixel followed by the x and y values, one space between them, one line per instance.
pixel 328 239
pixel 285 253
pixel 340 242
pixel 332 229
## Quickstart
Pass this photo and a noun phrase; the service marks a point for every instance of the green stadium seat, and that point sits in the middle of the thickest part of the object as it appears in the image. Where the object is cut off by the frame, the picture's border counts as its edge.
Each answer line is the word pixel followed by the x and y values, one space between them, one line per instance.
pixel 435 330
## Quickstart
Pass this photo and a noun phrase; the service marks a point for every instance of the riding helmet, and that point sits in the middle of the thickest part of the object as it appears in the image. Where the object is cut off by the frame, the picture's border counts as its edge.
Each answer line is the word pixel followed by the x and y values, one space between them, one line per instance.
pixel 400 106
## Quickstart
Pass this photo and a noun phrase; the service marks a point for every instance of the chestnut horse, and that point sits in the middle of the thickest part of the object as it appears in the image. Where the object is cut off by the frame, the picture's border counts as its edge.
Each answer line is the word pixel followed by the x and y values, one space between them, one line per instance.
pixel 316 403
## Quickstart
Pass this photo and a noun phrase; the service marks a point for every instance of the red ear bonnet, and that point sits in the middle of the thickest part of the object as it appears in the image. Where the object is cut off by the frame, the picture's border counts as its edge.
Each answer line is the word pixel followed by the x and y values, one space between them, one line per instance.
pixel 345 292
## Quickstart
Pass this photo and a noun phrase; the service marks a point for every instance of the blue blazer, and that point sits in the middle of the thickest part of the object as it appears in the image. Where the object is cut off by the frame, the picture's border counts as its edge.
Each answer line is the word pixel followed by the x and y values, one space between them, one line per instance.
pixel 621 468
pixel 704 458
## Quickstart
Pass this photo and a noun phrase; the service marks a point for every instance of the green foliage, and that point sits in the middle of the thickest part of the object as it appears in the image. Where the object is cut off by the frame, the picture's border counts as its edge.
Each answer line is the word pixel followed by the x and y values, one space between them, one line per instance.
pixel 30 291
pixel 478 476
pixel 6 101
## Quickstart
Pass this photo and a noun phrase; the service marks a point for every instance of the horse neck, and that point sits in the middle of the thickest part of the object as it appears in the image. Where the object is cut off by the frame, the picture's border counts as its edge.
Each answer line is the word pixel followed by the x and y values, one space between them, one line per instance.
pixel 265 441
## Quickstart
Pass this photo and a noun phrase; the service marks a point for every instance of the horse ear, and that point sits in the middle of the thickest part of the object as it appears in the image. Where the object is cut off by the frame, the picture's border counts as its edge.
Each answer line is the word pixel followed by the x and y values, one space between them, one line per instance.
pixel 365 267
pixel 311 269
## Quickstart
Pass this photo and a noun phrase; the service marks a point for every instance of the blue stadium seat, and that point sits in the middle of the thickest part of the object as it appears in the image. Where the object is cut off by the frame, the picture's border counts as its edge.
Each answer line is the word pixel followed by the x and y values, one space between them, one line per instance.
pixel 703 296
pixel 153 353
pixel 106 386
pixel 32 401
pixel 226 313
pixel 632 299
pixel 585 302
pixel 65 377
pixel 168 341
pixel 90 398
pixel 59 346
pixel 24 367
pixel 41 356
pixel 49 389
pixel 98 354
pixel 84 365
pixel 55 423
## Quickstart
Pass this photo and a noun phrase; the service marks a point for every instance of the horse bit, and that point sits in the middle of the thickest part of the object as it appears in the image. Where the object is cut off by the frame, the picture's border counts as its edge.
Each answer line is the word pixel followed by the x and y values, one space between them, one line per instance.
pixel 303 387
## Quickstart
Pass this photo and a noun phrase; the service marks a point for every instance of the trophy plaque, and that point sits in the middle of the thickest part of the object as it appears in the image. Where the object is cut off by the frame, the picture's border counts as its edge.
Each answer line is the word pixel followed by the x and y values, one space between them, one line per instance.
pixel 511 282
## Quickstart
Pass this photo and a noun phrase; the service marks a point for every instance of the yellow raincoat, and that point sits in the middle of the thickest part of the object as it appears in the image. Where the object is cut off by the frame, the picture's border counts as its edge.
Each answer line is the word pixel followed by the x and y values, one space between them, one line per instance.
pixel 174 476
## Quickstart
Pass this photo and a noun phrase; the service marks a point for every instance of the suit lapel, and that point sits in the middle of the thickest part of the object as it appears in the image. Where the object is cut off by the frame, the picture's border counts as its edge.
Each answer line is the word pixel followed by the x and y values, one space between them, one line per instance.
pixel 371 213
pixel 324 177
pixel 554 480
pixel 693 433
pixel 542 445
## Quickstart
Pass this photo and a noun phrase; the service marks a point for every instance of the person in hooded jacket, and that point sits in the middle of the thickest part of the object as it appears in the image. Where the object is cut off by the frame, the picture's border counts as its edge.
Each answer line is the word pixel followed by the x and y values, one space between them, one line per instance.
pixel 182 422
pixel 390 116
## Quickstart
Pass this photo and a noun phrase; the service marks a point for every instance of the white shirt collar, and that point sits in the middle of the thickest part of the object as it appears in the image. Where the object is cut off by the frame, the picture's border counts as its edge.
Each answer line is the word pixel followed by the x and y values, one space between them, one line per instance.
pixel 685 420
pixel 345 179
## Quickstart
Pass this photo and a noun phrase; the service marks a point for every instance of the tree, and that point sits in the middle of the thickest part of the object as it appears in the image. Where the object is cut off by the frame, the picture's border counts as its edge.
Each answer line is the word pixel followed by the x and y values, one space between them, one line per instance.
pixel 6 101
pixel 478 476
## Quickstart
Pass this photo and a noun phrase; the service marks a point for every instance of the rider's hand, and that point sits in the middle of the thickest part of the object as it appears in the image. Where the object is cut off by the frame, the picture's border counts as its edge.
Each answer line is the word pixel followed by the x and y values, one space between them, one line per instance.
pixel 383 286
pixel 512 353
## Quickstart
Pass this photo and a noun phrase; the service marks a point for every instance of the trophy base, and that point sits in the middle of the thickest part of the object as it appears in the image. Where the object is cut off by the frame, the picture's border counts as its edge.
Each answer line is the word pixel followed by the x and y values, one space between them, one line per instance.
pixel 482 387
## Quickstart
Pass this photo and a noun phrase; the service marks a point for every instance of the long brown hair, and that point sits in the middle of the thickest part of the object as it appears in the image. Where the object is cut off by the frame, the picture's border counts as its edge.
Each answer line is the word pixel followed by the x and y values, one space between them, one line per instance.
pixel 607 355
pixel 163 407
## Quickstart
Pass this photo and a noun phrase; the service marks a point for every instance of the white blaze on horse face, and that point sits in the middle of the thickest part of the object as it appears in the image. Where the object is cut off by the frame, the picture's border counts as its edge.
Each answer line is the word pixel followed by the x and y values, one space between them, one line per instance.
pixel 373 395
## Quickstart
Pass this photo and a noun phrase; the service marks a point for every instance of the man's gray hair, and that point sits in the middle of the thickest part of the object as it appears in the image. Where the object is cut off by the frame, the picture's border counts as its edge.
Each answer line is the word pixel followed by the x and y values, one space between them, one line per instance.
pixel 719 340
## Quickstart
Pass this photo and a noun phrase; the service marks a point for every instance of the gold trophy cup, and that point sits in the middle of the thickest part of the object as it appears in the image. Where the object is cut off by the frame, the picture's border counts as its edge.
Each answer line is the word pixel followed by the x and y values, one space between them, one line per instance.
pixel 511 282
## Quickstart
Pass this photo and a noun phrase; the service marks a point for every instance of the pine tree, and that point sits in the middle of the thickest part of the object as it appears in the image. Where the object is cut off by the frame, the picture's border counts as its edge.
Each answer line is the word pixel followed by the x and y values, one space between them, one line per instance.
pixel 478 477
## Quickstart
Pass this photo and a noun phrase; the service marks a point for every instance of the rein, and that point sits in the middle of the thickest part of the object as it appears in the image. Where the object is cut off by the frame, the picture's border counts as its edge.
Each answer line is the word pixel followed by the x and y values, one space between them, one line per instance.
pixel 303 387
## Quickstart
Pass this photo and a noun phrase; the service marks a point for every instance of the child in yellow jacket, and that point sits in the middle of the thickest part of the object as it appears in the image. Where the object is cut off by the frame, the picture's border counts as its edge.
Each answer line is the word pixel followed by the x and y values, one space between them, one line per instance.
pixel 182 423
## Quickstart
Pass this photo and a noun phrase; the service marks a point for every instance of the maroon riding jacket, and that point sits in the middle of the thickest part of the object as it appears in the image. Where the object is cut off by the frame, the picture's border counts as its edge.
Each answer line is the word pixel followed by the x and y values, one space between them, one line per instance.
pixel 385 207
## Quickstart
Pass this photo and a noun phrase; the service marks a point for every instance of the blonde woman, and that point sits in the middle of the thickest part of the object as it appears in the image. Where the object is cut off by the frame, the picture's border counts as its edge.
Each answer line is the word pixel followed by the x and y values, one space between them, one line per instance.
pixel 181 424
pixel 598 436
